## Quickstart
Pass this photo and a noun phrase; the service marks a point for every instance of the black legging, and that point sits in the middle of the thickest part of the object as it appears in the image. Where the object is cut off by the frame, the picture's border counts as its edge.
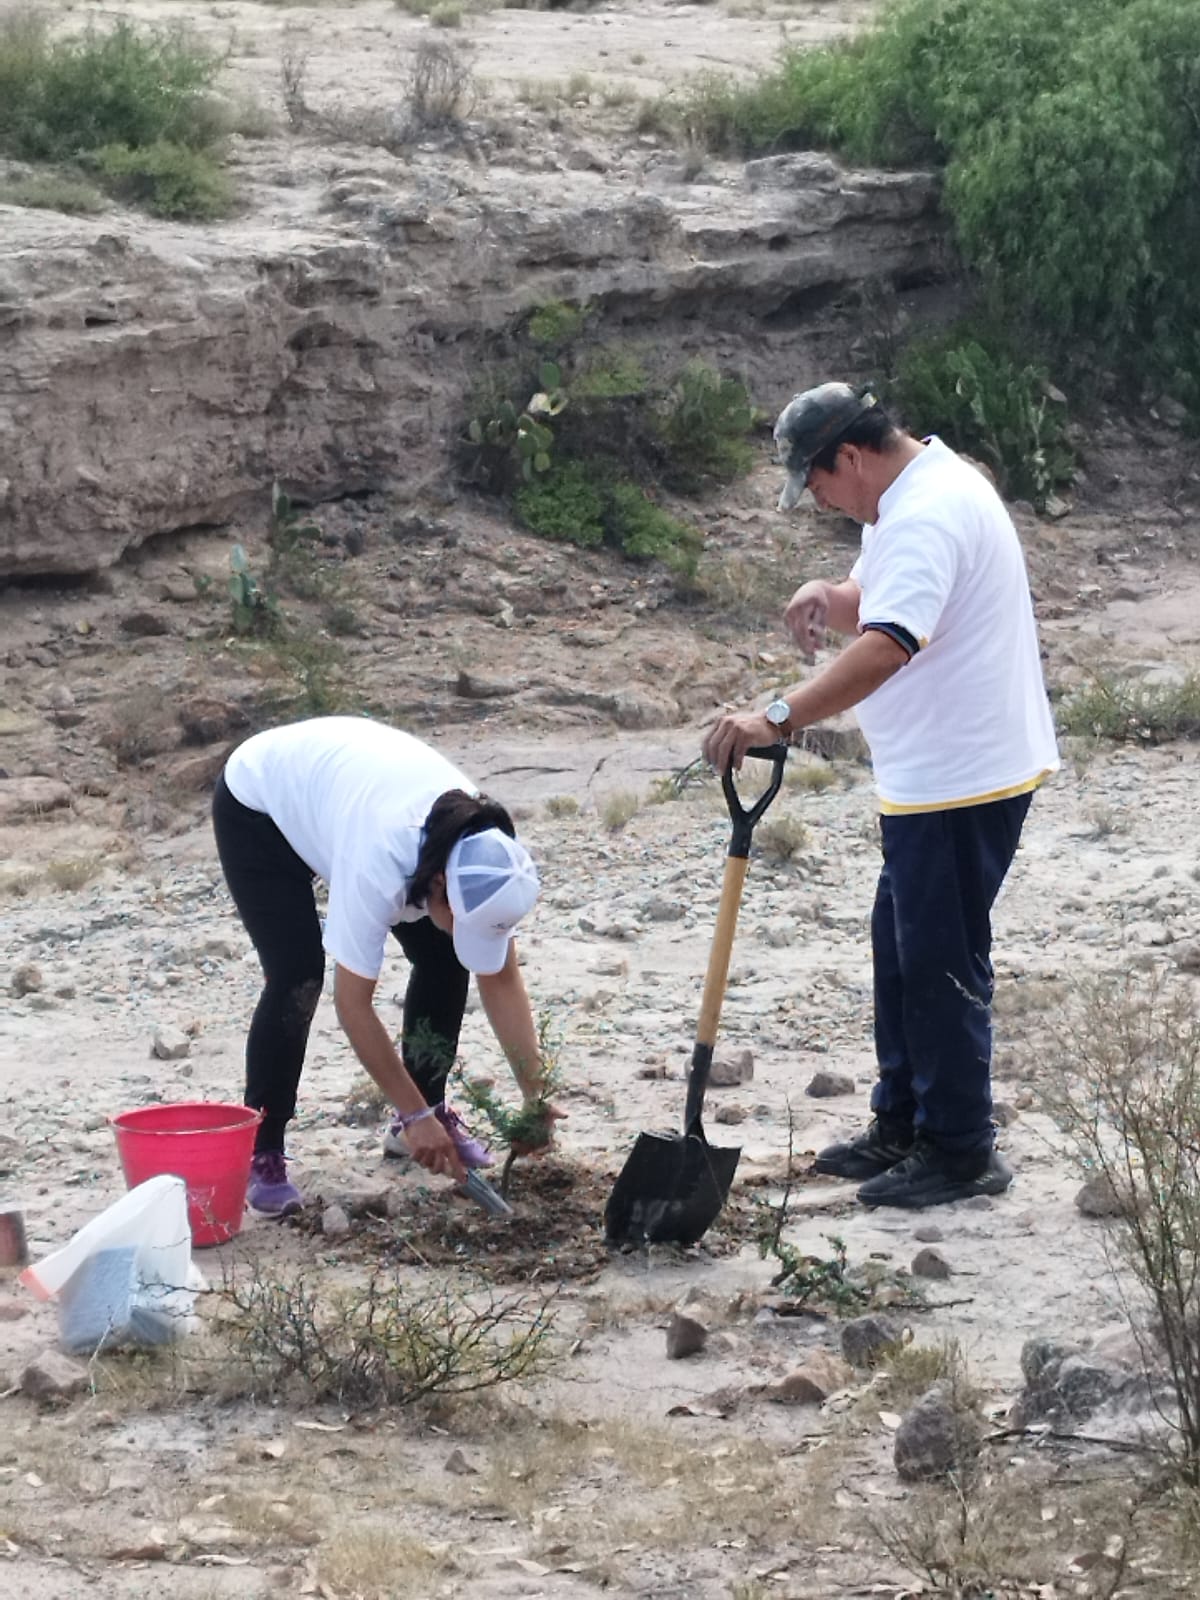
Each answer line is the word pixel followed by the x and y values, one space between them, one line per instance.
pixel 273 891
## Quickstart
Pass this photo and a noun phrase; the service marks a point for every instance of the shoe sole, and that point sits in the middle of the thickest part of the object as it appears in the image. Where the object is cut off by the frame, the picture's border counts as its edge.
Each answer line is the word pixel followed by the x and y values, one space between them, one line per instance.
pixel 857 1172
pixel 945 1196
pixel 288 1209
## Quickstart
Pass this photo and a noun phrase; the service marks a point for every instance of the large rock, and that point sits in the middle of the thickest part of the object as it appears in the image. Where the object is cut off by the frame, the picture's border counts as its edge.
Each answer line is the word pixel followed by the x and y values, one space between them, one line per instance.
pixel 937 1436
pixel 152 378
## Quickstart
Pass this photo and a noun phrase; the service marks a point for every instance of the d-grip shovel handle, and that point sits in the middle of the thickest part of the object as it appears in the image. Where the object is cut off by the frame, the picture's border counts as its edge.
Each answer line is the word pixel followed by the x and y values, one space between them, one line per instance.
pixel 737 863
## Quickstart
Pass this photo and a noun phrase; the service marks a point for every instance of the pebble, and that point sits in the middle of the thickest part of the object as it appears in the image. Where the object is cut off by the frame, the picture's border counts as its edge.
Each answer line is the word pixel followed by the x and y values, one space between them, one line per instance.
pixel 930 1263
pixel 825 1085
pixel 170 1043
pixel 335 1224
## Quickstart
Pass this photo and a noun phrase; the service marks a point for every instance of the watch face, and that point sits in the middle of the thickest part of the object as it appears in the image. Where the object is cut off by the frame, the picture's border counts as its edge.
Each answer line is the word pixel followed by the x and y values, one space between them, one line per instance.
pixel 778 712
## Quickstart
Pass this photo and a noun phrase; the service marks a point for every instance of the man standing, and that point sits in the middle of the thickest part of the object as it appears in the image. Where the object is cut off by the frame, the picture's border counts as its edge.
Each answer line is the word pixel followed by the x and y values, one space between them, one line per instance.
pixel 945 673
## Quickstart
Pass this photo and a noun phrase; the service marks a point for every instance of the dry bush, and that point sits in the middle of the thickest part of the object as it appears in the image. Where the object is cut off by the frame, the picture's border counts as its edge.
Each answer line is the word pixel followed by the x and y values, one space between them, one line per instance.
pixel 619 809
pixel 562 805
pixel 141 725
pixel 293 76
pixel 811 776
pixel 382 1342
pixel 441 86
pixel 73 872
pixel 781 838
pixel 365 1105
pixel 1127 1094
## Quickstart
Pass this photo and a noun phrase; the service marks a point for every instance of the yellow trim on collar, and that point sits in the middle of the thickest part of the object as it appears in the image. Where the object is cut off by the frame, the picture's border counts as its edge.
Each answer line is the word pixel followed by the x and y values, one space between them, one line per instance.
pixel 890 808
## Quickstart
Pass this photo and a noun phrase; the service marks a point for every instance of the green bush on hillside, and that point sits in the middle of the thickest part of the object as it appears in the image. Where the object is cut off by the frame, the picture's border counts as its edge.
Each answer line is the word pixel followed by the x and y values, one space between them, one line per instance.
pixel 1069 131
pixel 984 400
pixel 581 444
pixel 168 180
pixel 133 103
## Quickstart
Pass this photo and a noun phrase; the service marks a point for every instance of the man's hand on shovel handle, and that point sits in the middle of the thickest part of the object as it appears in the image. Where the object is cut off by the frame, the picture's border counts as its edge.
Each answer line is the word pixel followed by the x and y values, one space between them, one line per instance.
pixel 726 742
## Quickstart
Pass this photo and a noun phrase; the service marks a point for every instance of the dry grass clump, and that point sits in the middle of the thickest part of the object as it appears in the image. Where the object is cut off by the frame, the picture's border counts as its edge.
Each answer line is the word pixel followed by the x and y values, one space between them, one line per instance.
pixel 562 805
pixel 812 776
pixel 780 838
pixel 620 809
pixel 74 872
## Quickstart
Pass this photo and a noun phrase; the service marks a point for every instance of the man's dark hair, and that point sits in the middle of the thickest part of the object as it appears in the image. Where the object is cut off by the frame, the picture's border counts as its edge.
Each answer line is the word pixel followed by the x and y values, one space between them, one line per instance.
pixel 874 430
pixel 453 816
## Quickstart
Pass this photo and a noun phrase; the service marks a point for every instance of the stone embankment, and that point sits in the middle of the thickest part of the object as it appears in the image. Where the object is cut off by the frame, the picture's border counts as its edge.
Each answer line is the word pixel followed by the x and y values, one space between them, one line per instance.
pixel 154 377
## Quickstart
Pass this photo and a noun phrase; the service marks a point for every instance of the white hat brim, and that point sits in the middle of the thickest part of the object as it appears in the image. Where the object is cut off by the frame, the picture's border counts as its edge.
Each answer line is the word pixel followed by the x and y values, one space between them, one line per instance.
pixel 480 953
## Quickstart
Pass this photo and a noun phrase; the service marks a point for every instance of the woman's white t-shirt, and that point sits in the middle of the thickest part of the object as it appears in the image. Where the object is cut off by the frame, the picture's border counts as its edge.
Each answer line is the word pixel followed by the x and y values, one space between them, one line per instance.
pixel 966 720
pixel 350 796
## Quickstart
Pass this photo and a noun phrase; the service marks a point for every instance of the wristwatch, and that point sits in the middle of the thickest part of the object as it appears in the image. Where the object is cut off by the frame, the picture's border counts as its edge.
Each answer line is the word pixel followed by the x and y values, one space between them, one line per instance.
pixel 779 715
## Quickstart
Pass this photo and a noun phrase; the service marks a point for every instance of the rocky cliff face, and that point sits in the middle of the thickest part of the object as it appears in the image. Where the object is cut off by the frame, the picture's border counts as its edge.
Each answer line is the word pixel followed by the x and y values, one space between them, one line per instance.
pixel 154 377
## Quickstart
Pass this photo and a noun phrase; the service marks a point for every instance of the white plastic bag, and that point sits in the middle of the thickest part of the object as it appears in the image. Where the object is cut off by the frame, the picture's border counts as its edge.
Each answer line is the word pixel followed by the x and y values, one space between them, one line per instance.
pixel 127 1277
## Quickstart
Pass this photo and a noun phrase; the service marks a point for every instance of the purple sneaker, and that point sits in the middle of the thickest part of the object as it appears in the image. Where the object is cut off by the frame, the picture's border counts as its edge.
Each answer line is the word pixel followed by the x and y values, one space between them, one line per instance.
pixel 270 1191
pixel 472 1152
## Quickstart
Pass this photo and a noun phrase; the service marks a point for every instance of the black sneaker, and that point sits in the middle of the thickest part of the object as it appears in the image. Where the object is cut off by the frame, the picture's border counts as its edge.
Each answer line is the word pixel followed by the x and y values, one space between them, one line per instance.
pixel 931 1177
pixel 883 1146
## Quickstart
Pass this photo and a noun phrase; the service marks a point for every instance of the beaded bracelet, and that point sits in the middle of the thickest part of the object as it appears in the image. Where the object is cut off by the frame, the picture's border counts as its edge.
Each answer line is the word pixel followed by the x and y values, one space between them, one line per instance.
pixel 406 1119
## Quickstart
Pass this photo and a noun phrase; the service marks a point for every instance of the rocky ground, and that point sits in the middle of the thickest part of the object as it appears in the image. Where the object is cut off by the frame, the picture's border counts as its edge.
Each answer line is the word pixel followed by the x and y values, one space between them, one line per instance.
pixel 575 687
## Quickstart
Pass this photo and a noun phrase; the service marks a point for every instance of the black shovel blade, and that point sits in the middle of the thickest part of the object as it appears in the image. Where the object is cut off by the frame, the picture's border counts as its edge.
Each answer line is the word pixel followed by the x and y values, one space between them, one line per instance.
pixel 670 1190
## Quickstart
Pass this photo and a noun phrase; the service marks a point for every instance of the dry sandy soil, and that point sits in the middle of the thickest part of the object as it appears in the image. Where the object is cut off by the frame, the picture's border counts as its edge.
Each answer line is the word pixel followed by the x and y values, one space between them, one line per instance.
pixel 559 677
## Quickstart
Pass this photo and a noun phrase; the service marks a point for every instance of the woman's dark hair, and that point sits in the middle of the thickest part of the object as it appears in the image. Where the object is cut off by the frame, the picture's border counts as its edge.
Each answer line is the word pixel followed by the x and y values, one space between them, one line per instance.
pixel 452 817
pixel 874 430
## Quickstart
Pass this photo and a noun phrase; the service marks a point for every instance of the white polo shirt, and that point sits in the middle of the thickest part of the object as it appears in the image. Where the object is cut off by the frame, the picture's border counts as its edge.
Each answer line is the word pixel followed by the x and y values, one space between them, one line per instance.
pixel 966 720
pixel 350 796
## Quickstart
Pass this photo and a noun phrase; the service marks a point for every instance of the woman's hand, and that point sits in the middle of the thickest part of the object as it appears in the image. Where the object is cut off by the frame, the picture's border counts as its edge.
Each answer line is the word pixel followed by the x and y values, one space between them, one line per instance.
pixel 432 1148
pixel 540 1136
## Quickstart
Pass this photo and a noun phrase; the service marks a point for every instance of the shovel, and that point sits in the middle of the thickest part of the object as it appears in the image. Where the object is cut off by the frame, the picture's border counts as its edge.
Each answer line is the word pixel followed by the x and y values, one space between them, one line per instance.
pixel 672 1187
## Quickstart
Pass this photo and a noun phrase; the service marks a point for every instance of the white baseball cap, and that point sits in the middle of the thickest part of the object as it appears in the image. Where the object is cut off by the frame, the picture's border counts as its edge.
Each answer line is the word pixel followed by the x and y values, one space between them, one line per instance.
pixel 491 882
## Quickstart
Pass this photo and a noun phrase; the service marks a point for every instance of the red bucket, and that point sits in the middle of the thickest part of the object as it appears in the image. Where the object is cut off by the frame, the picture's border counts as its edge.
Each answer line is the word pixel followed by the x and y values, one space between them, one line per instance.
pixel 207 1144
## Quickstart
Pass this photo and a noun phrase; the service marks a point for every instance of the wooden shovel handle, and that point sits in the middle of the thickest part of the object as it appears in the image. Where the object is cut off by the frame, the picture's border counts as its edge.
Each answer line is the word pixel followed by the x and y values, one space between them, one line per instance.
pixel 718 957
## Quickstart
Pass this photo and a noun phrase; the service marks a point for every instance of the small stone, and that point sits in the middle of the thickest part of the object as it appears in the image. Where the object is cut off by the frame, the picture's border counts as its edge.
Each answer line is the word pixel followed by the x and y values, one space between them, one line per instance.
pixel 27 979
pixel 685 1337
pixel 12 1309
pixel 1004 1115
pixel 928 1233
pixel 458 1464
pixel 824 1085
pixel 170 1043
pixel 1100 1197
pixel 731 1068
pixel 930 1263
pixel 864 1339
pixel 335 1224
pixel 52 1376
pixel 730 1114
pixel 822 1374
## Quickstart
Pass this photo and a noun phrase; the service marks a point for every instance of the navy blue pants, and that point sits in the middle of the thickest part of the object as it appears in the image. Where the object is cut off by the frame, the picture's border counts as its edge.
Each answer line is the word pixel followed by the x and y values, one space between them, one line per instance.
pixel 931 939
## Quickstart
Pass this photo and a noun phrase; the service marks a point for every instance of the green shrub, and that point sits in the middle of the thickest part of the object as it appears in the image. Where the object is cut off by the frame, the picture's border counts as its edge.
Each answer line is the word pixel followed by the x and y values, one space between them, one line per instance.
pixel 1126 711
pixel 589 505
pixel 52 191
pixel 988 403
pixel 166 179
pixel 556 324
pixel 703 426
pixel 1070 139
pixel 124 86
pixel 565 503
pixel 647 532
